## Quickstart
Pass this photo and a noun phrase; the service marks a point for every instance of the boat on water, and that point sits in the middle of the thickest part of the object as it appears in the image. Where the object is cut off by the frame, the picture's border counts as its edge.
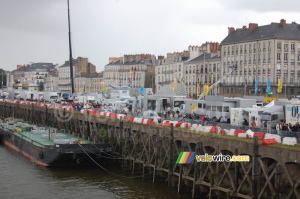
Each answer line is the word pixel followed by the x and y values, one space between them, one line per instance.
pixel 49 146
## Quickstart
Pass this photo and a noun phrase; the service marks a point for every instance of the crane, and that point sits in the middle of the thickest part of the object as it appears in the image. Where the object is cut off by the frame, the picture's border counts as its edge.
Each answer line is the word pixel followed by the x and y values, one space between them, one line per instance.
pixel 233 68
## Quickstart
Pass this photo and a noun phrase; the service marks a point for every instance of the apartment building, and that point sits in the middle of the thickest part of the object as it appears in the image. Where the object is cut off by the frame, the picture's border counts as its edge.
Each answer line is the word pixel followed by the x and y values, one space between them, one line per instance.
pixel 31 75
pixel 261 52
pixel 81 68
pixel 197 64
pixel 202 70
pixel 132 71
pixel 92 83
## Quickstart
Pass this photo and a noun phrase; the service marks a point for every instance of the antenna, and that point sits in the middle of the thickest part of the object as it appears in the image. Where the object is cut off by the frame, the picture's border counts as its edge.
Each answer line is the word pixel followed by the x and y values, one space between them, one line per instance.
pixel 70 48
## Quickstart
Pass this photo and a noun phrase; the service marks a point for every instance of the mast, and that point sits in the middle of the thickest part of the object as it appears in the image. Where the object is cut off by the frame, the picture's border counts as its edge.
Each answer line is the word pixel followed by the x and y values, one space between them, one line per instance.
pixel 70 49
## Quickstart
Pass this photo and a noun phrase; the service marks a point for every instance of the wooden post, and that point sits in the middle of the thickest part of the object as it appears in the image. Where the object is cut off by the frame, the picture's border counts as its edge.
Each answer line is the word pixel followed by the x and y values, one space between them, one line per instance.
pixel 179 179
pixel 170 174
pixel 236 172
pixel 255 168
pixel 46 118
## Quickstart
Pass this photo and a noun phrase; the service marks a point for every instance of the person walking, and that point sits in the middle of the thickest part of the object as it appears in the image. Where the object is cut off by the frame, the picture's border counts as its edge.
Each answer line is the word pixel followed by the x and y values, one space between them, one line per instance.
pixel 269 127
pixel 278 128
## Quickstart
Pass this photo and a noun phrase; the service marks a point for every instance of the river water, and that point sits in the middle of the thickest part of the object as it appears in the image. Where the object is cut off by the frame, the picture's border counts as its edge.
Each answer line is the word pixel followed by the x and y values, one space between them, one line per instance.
pixel 22 179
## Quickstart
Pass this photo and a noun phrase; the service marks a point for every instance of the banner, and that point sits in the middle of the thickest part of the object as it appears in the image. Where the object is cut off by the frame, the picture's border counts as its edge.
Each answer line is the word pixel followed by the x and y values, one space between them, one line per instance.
pixel 194 108
pixel 256 85
pixel 280 85
pixel 142 90
pixel 269 85
pixel 129 83
pixel 206 90
pixel 175 83
pixel 198 87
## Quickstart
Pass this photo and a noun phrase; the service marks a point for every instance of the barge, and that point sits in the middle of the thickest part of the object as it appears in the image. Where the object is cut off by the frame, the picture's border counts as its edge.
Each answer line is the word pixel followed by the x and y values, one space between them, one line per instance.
pixel 49 146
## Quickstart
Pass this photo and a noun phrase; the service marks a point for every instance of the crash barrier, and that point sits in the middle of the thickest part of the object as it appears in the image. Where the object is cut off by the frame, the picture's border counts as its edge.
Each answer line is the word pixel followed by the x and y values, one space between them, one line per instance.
pixel 289 138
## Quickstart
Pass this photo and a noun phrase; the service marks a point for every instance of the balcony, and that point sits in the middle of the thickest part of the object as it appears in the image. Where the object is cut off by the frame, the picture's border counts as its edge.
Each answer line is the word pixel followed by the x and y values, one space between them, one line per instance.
pixel 264 60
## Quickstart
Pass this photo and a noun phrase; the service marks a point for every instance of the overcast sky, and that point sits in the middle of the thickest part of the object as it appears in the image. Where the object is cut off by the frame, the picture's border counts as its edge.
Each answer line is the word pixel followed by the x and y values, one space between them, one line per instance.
pixel 37 30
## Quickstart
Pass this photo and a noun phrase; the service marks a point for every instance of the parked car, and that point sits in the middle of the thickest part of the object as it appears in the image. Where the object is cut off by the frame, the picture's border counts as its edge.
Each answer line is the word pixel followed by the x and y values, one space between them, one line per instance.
pixel 151 115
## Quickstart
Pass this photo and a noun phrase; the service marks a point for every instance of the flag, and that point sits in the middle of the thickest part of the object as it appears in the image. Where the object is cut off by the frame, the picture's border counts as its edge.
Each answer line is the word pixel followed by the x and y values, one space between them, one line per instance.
pixel 180 80
pixel 131 72
pixel 129 83
pixel 256 85
pixel 105 89
pixel 280 85
pixel 269 86
pixel 185 158
pixel 120 83
pixel 134 74
pixel 175 83
pixel 206 89
pixel 198 87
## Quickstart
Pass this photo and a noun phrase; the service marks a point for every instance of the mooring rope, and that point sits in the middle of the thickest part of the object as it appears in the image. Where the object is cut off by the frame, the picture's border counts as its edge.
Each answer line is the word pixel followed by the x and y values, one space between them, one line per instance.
pixel 108 170
pixel 112 158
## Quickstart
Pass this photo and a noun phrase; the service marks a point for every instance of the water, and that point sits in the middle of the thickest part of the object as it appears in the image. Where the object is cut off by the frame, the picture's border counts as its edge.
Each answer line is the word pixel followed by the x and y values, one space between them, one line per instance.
pixel 22 179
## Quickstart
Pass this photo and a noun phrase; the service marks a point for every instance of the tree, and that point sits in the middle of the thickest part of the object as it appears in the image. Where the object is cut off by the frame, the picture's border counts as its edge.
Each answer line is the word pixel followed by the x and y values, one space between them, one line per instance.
pixel 41 86
pixel 2 78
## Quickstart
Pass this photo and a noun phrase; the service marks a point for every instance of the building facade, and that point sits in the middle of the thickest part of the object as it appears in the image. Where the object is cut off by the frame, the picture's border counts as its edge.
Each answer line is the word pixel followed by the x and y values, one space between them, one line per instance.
pixel 204 69
pixel 81 68
pixel 198 64
pixel 261 52
pixel 31 76
pixel 133 71
pixel 90 83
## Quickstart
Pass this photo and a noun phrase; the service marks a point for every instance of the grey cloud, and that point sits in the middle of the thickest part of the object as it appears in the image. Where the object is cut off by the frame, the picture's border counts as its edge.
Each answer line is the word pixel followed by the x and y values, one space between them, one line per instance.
pixel 262 5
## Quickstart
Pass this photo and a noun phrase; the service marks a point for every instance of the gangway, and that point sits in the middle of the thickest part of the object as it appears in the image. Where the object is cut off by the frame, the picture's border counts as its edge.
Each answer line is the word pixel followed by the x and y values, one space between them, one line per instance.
pixel 233 68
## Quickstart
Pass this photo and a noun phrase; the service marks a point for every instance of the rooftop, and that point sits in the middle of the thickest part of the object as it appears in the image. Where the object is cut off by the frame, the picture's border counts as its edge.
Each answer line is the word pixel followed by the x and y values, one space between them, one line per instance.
pixel 271 31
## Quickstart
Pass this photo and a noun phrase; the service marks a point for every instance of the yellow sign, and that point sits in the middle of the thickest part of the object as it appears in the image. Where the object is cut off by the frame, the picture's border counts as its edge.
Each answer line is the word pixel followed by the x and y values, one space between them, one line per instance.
pixel 206 90
pixel 198 87
pixel 16 85
pixel 194 107
pixel 80 90
pixel 25 84
pixel 105 89
pixel 279 85
pixel 269 99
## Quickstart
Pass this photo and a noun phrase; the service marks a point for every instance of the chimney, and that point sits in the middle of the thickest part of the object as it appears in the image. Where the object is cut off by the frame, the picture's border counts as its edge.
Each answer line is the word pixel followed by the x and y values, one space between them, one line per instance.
pixel 142 57
pixel 244 27
pixel 294 22
pixel 230 30
pixel 161 57
pixel 252 26
pixel 283 23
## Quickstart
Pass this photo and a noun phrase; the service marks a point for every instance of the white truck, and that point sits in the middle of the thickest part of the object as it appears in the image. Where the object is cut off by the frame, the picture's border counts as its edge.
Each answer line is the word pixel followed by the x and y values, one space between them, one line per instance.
pixel 50 96
pixel 118 94
pixel 292 113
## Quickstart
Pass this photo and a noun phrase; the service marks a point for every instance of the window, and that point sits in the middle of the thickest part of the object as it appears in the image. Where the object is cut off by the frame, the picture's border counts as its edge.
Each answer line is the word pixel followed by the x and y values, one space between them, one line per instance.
pixel 199 105
pixel 279 46
pixel 293 46
pixel 204 106
pixel 278 56
pixel 292 80
pixel 213 108
pixel 226 109
pixel 208 108
pixel 285 56
pixel 286 47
